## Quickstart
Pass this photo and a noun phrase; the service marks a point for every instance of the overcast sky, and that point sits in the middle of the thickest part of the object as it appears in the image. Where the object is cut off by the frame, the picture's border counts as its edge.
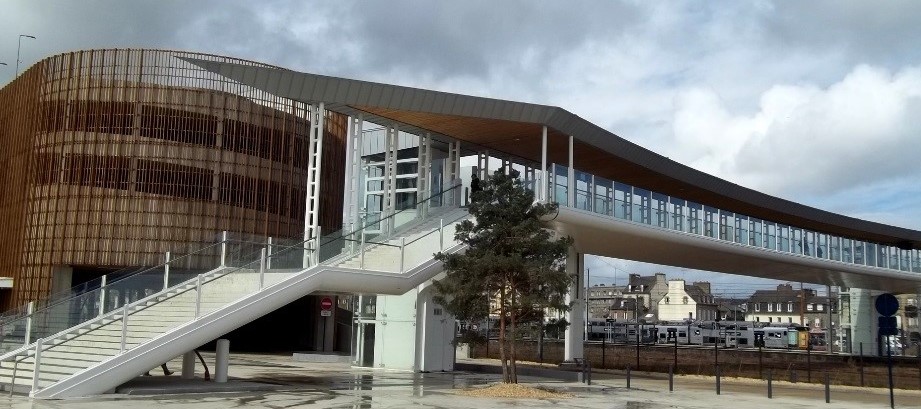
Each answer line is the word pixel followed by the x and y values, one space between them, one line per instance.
pixel 818 102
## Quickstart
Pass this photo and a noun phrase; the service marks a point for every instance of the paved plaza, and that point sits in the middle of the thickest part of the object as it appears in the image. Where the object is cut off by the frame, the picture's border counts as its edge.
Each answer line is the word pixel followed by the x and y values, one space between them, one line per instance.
pixel 276 381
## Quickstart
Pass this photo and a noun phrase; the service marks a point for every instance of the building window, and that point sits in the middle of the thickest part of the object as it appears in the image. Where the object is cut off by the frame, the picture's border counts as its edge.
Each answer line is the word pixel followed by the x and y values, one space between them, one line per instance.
pixel 684 299
pixel 789 320
pixel 666 300
pixel 810 307
pixel 779 307
pixel 770 307
pixel 789 307
pixel 757 307
pixel 757 319
pixel 770 320
pixel 820 307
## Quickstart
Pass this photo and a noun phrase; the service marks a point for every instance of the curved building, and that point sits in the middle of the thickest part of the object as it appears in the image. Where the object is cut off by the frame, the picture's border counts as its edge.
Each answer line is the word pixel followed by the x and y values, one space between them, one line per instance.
pixel 113 157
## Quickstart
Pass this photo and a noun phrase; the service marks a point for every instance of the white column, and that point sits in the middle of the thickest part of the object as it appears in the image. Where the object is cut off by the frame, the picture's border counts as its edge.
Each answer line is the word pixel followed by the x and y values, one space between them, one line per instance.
pixel 188 365
pixel 863 321
pixel 570 179
pixel 352 203
pixel 314 165
pixel 572 345
pixel 390 176
pixel 544 176
pixel 423 190
pixel 221 360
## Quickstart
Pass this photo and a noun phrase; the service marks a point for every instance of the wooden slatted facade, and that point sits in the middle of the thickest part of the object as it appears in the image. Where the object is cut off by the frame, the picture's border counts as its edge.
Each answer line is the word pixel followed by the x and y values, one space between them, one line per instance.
pixel 112 157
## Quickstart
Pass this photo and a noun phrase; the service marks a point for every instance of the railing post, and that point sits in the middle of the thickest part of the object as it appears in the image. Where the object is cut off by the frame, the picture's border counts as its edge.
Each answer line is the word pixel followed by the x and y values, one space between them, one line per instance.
pixel 124 328
pixel 441 234
pixel 224 249
pixel 402 252
pixel 268 254
pixel 316 250
pixel 361 248
pixel 262 268
pixel 102 295
pixel 198 296
pixel 166 272
pixel 29 310
pixel 36 370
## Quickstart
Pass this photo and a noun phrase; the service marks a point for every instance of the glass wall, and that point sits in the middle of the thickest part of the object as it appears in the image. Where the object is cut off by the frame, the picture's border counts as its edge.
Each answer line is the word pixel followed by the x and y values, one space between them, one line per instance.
pixel 622 201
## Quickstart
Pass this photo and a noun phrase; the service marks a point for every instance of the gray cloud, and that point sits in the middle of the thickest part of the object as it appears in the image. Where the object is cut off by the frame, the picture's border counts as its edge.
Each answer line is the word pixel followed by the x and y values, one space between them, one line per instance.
pixel 700 82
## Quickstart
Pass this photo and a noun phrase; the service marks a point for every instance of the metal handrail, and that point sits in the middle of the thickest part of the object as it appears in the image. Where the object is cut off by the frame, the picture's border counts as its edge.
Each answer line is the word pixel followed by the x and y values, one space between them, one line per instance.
pixel 134 307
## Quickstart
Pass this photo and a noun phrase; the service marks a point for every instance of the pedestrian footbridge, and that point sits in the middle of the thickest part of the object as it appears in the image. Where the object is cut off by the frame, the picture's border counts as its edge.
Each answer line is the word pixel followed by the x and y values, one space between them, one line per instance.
pixel 91 343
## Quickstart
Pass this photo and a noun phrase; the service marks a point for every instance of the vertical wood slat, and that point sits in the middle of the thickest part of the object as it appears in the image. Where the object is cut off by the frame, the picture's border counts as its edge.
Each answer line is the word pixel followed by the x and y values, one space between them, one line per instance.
pixel 73 197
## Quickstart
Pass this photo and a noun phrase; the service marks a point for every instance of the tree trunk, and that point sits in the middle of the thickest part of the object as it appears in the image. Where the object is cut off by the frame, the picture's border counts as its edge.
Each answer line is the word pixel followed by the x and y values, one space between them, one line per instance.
pixel 502 357
pixel 514 313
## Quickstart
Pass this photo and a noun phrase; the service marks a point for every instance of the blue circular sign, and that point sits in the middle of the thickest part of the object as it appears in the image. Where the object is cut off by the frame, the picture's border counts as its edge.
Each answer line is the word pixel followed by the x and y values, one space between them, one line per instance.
pixel 886 304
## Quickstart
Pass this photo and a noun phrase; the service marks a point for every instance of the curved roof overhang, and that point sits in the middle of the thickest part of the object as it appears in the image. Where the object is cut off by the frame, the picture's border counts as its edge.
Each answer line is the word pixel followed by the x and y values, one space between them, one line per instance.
pixel 515 128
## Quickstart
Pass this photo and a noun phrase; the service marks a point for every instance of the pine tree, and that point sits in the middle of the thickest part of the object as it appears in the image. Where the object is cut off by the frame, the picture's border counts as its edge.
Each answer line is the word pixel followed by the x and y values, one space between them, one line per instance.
pixel 511 258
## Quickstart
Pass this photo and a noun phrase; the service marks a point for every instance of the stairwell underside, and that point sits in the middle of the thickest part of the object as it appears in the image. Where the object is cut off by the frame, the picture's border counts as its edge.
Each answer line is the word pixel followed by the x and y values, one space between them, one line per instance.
pixel 121 368
pixel 604 236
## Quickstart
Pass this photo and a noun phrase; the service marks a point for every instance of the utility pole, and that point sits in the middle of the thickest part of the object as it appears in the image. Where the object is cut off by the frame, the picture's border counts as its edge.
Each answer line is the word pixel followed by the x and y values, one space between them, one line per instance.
pixel 802 305
pixel 588 300
pixel 828 334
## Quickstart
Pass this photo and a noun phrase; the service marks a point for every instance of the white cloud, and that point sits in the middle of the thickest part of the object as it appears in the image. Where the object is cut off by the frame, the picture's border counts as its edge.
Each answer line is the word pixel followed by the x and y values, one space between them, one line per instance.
pixel 861 130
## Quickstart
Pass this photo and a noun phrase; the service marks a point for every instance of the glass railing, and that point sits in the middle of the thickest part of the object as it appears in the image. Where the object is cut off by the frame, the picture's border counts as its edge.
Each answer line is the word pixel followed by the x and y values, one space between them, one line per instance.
pixel 621 201
pixel 98 296
pixel 115 328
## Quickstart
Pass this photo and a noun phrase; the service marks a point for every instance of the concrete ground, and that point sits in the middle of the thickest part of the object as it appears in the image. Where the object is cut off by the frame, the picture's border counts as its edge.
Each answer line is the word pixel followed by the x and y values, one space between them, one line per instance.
pixel 274 381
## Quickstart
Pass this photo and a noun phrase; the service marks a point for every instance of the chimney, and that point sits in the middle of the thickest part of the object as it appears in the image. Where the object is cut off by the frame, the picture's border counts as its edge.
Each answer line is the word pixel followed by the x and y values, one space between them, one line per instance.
pixel 703 285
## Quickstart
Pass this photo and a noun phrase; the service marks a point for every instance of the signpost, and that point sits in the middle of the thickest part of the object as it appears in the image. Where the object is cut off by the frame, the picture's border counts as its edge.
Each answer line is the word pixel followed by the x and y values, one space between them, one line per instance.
pixel 326 307
pixel 886 306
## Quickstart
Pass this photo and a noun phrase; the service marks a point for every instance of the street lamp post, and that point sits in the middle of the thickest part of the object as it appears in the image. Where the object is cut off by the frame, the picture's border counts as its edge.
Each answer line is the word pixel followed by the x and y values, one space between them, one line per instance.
pixel 18 48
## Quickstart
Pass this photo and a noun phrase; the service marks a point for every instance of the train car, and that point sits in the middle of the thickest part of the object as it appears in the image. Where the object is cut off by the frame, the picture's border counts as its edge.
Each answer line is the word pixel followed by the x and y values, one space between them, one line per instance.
pixel 739 334
pixel 670 333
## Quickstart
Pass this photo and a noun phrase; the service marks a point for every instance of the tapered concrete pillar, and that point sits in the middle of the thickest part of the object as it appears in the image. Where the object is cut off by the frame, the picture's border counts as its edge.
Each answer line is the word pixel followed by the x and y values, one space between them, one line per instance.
pixel 573 348
pixel 221 360
pixel 188 365
pixel 863 322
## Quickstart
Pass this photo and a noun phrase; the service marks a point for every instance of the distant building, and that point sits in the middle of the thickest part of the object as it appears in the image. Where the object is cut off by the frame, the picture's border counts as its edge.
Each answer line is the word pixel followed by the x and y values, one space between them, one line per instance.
pixel 732 309
pixel 624 309
pixel 787 305
pixel 603 299
pixel 691 302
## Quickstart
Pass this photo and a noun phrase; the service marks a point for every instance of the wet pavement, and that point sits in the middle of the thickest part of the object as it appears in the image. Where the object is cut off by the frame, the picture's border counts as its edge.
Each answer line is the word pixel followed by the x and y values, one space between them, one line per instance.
pixel 274 381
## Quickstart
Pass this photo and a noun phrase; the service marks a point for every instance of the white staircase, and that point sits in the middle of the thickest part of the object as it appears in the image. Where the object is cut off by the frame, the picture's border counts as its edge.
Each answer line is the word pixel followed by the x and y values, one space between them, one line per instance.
pixel 97 356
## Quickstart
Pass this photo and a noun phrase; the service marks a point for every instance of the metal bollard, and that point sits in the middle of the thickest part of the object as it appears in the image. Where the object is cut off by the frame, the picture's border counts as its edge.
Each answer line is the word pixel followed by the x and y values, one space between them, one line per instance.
pixel 860 371
pixel 671 378
pixel 827 389
pixel 717 380
pixel 792 375
pixel 809 364
pixel 628 376
pixel 770 383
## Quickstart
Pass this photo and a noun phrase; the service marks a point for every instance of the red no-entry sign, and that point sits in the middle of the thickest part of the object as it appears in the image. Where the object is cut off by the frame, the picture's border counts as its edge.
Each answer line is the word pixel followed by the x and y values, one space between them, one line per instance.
pixel 326 304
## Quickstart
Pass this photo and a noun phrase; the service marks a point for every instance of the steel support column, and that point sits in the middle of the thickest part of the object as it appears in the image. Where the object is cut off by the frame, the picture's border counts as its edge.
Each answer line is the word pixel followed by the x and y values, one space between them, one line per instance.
pixel 452 173
pixel 571 178
pixel 352 202
pixel 390 176
pixel 314 164
pixel 544 176
pixel 424 174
